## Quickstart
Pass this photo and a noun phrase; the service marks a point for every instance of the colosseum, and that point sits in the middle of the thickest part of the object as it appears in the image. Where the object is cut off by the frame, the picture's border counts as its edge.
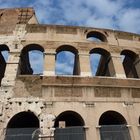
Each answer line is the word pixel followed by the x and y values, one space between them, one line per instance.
pixel 98 98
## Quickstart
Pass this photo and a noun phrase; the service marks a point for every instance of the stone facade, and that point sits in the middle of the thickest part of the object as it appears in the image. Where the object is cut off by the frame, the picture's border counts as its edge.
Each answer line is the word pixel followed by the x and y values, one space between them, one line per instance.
pixel 115 89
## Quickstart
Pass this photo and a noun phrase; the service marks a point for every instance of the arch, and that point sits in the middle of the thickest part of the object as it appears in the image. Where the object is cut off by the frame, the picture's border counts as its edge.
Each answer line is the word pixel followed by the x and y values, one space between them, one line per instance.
pixel 70 118
pixel 101 51
pixel 69 125
pixel 31 47
pixel 67 48
pixel 22 125
pixel 31 61
pixel 112 118
pixel 4 54
pixel 99 61
pixel 4 47
pixel 113 126
pixel 130 64
pixel 24 120
pixel 67 60
pixel 96 36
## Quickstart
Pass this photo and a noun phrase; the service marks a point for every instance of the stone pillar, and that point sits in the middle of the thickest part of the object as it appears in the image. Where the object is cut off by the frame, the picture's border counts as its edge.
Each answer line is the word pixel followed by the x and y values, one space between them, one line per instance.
pixel 84 60
pixel 116 67
pixel 49 63
pixel 11 69
pixel 47 124
pixel 132 121
pixel 98 135
pixel 137 66
pixel 134 132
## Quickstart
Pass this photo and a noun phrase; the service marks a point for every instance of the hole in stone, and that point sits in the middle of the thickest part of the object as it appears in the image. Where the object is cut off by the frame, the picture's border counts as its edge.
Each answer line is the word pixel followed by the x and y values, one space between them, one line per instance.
pixel 19 103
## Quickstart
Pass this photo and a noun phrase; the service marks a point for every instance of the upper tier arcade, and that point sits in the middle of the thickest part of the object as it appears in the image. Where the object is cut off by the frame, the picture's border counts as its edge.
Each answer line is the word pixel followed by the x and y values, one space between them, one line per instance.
pixel 67 76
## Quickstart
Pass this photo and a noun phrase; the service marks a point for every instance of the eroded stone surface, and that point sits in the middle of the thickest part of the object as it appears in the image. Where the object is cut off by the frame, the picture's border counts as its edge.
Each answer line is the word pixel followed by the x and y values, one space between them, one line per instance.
pixel 48 95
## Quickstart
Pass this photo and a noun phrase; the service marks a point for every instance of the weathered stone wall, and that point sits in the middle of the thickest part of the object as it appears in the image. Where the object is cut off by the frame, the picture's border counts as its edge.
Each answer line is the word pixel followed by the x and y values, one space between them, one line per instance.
pixel 49 95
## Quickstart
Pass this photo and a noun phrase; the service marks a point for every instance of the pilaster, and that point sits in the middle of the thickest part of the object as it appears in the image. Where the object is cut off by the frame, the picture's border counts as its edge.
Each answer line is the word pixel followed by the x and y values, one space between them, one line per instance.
pixel 84 60
pixel 49 63
pixel 116 67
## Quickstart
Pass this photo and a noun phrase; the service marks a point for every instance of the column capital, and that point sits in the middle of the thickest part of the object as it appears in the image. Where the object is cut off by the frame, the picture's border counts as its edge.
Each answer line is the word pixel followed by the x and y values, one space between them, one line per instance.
pixel 49 53
pixel 117 55
pixel 83 54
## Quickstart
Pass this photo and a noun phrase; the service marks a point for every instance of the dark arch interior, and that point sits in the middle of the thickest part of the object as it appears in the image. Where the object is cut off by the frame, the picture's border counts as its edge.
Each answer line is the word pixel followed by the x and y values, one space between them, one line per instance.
pixel 31 61
pixel 4 47
pixel 99 60
pixel 3 58
pixel 70 118
pixel 112 118
pixel 96 36
pixel 129 59
pixel 24 120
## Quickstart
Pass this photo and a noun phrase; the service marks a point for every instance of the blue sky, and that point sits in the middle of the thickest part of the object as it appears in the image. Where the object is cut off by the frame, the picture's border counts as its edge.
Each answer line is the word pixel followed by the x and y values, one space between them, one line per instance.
pixel 113 14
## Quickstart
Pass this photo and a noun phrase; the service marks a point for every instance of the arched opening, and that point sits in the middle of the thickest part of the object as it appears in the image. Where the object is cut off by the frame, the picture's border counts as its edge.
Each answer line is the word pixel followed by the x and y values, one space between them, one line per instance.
pixel 69 126
pixel 99 61
pixel 113 126
pixel 69 118
pixel 112 118
pixel 22 126
pixel 130 64
pixel 31 61
pixel 67 61
pixel 97 37
pixel 4 53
